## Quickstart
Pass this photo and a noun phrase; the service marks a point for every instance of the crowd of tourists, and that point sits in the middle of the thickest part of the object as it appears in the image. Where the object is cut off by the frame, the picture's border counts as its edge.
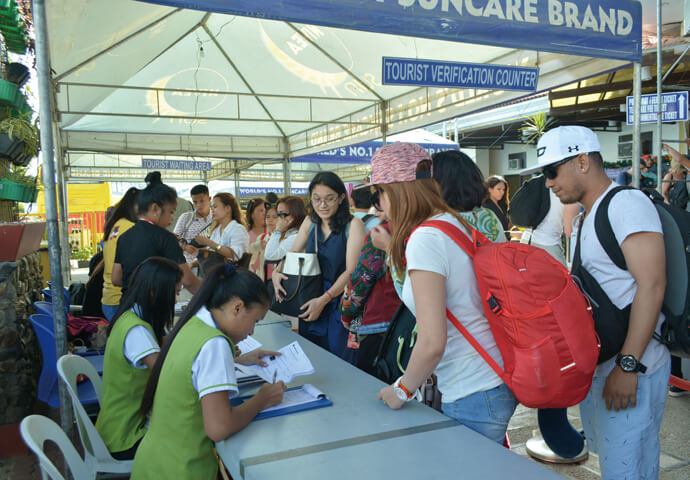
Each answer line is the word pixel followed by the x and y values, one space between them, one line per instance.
pixel 167 380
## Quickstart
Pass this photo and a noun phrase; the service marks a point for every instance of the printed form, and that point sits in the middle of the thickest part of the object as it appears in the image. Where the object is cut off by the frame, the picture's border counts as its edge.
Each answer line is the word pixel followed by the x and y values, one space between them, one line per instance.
pixel 292 363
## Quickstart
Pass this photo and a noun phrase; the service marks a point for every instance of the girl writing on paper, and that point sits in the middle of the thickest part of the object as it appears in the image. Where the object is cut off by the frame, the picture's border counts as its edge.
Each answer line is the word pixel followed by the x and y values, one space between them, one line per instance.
pixel 435 274
pixel 187 393
pixel 134 336
pixel 336 236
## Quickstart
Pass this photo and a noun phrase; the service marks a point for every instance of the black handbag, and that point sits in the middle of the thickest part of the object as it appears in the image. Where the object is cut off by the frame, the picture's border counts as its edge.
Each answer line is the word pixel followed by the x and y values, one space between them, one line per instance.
pixel 397 344
pixel 304 281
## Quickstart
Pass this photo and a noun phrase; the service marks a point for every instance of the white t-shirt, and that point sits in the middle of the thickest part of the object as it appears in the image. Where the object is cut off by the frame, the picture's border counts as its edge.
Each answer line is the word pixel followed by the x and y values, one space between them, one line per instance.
pixel 629 212
pixel 276 249
pixel 139 343
pixel 549 231
pixel 234 236
pixel 462 371
pixel 213 369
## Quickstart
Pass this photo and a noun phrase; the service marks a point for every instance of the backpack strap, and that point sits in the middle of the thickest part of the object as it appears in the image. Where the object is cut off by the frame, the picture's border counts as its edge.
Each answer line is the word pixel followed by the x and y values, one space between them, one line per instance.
pixel 605 235
pixel 468 247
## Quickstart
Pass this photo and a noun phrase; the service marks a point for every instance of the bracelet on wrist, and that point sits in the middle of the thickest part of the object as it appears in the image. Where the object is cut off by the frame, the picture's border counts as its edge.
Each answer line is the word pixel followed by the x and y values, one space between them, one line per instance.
pixel 330 297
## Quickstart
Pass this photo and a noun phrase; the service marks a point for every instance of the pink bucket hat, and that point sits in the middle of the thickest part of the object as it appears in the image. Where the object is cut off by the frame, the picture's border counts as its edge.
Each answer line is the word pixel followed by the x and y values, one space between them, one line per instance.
pixel 397 162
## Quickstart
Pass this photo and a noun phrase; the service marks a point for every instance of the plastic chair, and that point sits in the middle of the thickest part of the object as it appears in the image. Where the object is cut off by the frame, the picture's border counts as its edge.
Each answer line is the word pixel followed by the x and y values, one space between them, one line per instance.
pixel 95 452
pixel 36 430
pixel 44 308
pixel 48 382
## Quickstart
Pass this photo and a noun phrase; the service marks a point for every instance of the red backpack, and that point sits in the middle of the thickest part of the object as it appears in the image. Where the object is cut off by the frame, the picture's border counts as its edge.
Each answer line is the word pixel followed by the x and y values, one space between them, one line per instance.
pixel 541 321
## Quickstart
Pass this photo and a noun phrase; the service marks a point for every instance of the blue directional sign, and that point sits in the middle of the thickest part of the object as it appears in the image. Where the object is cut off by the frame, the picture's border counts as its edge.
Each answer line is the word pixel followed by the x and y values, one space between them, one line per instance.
pixel 434 73
pixel 166 164
pixel 675 108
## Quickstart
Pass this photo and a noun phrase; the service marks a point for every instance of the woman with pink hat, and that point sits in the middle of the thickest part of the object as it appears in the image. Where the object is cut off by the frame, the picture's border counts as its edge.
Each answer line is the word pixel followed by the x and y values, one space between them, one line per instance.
pixel 435 274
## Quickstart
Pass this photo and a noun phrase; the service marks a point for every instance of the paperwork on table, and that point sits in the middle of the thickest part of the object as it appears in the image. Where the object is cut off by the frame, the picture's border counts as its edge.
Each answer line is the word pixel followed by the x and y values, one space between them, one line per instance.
pixel 292 363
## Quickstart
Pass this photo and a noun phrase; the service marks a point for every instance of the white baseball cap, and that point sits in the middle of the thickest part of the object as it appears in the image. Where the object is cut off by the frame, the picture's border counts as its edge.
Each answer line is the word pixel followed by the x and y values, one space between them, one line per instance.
pixel 563 142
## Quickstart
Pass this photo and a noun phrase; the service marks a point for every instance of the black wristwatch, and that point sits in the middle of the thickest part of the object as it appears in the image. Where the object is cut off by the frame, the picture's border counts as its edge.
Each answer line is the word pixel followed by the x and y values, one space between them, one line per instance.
pixel 629 363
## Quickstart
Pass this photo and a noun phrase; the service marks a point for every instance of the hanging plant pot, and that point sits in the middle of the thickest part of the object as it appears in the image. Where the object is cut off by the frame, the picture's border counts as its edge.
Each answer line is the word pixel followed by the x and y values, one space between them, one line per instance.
pixel 22 160
pixel 20 239
pixel 10 94
pixel 11 148
pixel 17 73
pixel 11 190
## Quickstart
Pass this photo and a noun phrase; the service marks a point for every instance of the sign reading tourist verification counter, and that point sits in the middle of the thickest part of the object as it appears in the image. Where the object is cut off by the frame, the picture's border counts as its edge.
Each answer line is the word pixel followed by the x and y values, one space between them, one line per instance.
pixel 434 73
pixel 675 107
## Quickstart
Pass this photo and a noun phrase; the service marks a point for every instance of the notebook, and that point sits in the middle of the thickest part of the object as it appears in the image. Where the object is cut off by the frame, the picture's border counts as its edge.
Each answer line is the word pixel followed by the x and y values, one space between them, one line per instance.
pixel 296 399
pixel 291 363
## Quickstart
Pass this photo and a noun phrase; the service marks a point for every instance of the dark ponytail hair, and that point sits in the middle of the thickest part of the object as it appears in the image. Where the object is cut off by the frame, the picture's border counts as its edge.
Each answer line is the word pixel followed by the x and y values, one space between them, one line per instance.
pixel 152 289
pixel 156 192
pixel 221 284
pixel 125 208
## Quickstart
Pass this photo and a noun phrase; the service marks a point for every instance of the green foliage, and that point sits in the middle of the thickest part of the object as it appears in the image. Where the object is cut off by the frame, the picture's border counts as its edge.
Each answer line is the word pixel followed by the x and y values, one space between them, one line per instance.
pixel 21 127
pixel 18 175
pixel 82 253
pixel 535 126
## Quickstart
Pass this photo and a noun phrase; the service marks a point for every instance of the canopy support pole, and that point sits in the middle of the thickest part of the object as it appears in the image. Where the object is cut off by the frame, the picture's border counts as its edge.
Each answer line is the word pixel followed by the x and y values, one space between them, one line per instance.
pixel 637 98
pixel 63 214
pixel 384 123
pixel 236 172
pixel 287 181
pixel 659 115
pixel 48 180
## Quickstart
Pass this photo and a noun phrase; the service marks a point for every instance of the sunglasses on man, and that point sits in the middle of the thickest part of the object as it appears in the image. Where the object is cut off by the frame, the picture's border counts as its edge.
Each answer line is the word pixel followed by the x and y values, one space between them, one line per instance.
pixel 551 171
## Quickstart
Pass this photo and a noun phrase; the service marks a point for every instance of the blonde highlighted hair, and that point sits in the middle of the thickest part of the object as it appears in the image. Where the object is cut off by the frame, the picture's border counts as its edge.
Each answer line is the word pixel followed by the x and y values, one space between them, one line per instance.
pixel 411 204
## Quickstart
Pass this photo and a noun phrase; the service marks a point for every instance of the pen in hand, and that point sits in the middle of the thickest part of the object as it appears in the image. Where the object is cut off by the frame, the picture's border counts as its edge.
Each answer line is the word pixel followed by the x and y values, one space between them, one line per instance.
pixel 275 375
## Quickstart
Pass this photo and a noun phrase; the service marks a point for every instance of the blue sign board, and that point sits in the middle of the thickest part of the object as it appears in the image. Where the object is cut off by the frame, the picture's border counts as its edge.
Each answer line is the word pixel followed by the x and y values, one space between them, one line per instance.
pixel 434 73
pixel 261 191
pixel 165 164
pixel 362 153
pixel 674 109
pixel 592 28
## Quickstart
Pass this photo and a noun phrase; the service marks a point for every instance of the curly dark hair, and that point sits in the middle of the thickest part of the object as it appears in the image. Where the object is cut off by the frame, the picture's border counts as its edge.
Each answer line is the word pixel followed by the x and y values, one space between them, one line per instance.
pixel 342 216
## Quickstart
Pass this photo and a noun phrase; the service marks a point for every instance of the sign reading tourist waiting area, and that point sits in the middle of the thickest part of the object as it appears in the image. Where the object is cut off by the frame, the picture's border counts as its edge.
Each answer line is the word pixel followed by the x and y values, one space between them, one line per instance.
pixel 434 73
pixel 675 107
pixel 166 164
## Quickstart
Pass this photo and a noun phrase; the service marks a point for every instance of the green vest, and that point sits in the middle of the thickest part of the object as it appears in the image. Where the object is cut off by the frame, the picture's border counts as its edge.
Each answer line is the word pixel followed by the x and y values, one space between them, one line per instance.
pixel 176 445
pixel 119 421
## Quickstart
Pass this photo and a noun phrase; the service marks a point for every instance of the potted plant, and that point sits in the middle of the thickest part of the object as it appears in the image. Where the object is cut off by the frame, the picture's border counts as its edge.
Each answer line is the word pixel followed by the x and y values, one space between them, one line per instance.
pixel 19 239
pixel 82 256
pixel 535 126
pixel 17 185
pixel 19 137
pixel 17 73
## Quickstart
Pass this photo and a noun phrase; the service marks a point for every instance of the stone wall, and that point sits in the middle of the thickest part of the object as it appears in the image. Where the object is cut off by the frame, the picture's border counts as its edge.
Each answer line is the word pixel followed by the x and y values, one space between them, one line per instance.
pixel 20 357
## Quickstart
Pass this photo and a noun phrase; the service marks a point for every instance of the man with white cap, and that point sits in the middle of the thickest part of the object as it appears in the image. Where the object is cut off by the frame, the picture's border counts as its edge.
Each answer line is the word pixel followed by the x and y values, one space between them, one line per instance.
pixel 622 414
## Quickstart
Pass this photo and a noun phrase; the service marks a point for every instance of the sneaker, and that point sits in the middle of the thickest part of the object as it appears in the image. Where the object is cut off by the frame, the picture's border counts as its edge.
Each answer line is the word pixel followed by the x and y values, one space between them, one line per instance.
pixel 677 392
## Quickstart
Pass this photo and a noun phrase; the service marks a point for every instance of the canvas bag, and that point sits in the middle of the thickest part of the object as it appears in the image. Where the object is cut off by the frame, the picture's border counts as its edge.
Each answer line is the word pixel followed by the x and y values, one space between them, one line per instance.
pixel 540 320
pixel 303 282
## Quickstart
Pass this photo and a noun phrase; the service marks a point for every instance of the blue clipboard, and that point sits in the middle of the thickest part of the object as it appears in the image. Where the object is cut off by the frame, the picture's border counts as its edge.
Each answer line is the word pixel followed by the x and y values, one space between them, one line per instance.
pixel 320 402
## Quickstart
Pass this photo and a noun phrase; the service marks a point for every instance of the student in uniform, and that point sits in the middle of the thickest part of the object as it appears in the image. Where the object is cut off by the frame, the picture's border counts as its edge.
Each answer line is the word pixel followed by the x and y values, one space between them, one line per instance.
pixel 194 375
pixel 149 237
pixel 134 338
pixel 436 274
pixel 123 217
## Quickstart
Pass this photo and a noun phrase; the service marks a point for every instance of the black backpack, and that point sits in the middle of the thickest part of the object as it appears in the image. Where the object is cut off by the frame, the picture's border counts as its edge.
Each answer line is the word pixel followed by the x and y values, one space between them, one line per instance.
pixel 396 347
pixel 675 332
pixel 530 204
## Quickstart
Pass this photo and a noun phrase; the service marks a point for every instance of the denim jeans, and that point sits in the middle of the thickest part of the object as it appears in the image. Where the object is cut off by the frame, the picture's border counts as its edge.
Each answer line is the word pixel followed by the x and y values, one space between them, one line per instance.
pixel 109 311
pixel 487 412
pixel 627 441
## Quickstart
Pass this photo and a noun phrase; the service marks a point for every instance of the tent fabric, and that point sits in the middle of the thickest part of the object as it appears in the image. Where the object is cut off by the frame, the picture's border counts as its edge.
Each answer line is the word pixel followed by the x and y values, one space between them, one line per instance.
pixel 135 78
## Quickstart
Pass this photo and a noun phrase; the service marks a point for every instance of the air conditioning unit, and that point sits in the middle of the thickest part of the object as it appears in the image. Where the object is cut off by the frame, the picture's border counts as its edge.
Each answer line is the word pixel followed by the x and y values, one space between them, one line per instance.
pixel 517 161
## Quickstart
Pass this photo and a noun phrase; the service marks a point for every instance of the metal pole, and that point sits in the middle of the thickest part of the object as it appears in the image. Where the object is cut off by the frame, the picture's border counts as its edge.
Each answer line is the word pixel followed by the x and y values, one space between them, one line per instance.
pixel 637 97
pixel 455 130
pixel 287 181
pixel 657 143
pixel 45 115
pixel 63 215
pixel 384 122
pixel 237 179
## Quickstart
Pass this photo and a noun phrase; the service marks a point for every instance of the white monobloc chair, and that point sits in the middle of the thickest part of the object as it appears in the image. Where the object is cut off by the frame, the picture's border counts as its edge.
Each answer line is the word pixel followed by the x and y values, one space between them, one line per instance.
pixel 96 453
pixel 36 430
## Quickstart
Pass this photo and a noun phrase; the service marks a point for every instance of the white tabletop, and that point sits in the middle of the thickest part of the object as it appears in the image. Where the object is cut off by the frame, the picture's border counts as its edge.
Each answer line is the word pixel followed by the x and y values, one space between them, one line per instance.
pixel 356 418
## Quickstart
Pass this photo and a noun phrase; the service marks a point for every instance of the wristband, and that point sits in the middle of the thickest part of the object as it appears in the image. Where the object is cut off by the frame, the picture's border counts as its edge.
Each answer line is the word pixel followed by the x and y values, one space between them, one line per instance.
pixel 330 297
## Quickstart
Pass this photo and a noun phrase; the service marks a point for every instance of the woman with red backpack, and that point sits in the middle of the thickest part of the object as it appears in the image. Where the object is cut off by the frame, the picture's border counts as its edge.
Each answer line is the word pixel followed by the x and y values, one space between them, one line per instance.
pixel 435 274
